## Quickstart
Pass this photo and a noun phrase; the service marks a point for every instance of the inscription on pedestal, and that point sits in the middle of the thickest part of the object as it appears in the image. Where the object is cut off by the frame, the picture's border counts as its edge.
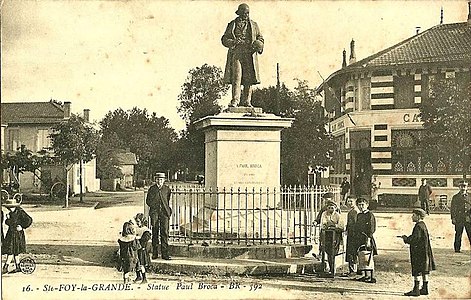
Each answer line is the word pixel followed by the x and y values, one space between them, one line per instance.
pixel 250 174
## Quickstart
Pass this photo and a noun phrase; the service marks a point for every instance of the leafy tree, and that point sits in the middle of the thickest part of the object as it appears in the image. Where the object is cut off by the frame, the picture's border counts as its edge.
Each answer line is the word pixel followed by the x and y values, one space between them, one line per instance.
pixel 199 97
pixel 200 93
pixel 447 120
pixel 306 143
pixel 276 100
pixel 24 160
pixel 107 166
pixel 73 141
pixel 148 136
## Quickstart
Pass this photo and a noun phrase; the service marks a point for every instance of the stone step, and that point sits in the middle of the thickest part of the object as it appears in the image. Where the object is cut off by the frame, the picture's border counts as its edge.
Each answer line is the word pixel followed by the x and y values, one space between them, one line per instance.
pixel 227 251
pixel 232 267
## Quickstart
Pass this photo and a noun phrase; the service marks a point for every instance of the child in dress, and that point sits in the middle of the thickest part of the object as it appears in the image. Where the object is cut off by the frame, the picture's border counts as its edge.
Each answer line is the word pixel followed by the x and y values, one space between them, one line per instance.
pixel 14 243
pixel 128 247
pixel 351 248
pixel 331 233
pixel 421 256
pixel 364 229
pixel 143 234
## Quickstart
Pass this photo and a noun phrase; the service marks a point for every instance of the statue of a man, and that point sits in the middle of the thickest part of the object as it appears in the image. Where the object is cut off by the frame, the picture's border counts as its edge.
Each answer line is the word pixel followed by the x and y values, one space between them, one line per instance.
pixel 245 42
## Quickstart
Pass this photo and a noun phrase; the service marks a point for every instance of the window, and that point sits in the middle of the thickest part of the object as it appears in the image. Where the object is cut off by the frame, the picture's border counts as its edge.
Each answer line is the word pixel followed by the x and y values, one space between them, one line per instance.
pixel 405 151
pixel 339 155
pixel 365 93
pixel 43 139
pixel 408 156
pixel 404 91
pixel 14 139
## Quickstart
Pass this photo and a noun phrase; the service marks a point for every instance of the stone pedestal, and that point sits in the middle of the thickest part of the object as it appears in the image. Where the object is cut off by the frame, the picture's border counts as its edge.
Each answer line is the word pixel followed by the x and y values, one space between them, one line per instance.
pixel 242 148
pixel 242 151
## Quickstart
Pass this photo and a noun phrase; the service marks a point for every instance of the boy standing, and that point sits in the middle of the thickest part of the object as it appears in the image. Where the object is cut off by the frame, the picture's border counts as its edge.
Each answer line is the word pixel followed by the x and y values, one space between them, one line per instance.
pixel 421 257
pixel 351 249
pixel 365 227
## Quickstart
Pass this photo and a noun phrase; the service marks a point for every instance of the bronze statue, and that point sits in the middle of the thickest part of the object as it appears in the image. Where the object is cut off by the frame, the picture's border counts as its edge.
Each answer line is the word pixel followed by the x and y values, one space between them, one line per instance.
pixel 245 42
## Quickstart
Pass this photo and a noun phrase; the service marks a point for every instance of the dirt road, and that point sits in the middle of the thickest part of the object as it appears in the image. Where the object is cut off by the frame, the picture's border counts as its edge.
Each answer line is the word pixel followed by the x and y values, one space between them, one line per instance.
pixel 87 229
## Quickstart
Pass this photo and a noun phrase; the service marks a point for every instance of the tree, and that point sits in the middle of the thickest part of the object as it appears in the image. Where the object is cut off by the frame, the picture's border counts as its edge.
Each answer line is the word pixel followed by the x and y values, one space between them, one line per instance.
pixel 200 93
pixel 447 121
pixel 306 143
pixel 276 100
pixel 199 97
pixel 73 141
pixel 24 160
pixel 148 136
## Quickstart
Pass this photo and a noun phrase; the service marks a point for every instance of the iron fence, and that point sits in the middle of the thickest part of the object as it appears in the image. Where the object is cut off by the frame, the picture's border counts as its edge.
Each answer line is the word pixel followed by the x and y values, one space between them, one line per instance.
pixel 246 216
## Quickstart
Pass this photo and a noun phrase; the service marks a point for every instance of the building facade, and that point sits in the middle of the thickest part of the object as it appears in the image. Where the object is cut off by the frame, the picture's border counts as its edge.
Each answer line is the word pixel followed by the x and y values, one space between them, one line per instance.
pixel 374 107
pixel 29 124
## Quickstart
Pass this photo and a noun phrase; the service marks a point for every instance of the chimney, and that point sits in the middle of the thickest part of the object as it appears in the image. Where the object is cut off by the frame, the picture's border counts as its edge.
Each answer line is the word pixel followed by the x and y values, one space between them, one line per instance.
pixel 441 15
pixel 344 61
pixel 86 115
pixel 352 53
pixel 66 109
pixel 417 30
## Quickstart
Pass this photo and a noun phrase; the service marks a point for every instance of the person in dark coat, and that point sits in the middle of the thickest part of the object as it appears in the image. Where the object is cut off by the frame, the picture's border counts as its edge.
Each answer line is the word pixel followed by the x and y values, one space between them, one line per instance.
pixel 345 190
pixel 244 40
pixel 1 227
pixel 158 200
pixel 461 215
pixel 364 230
pixel 143 235
pixel 351 248
pixel 425 190
pixel 14 243
pixel 421 256
pixel 128 247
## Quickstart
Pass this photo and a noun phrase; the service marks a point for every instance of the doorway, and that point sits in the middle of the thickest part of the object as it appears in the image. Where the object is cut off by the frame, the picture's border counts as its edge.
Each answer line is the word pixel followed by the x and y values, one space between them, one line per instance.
pixel 361 169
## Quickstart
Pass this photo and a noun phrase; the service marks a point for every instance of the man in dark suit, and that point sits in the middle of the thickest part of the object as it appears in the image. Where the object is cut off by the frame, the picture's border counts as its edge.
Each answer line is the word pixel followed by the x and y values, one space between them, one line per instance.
pixel 424 195
pixel 461 214
pixel 158 199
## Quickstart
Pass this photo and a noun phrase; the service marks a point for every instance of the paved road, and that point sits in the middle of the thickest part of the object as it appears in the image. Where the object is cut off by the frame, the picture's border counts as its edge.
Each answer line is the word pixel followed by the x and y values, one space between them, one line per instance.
pixel 100 226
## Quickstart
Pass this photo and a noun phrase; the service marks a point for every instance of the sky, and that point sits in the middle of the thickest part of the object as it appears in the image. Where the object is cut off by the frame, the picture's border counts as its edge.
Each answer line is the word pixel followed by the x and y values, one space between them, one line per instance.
pixel 104 55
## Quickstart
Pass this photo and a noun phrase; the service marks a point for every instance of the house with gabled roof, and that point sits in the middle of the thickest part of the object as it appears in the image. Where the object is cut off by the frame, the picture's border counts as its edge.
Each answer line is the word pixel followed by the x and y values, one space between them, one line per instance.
pixel 124 160
pixel 374 105
pixel 29 124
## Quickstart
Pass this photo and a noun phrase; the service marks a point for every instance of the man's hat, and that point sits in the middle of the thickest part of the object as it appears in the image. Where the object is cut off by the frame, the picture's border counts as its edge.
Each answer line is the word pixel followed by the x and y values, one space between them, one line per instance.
pixel 420 212
pixel 463 183
pixel 257 46
pixel 11 202
pixel 242 7
pixel 159 175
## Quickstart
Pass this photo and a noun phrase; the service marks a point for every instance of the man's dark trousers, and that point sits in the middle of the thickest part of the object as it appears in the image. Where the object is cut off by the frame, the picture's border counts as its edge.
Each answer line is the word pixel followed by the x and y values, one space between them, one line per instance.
pixel 160 225
pixel 459 233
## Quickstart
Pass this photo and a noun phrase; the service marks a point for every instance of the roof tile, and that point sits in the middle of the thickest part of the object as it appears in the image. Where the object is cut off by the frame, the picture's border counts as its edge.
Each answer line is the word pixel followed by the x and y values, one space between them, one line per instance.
pixel 31 112
pixel 441 43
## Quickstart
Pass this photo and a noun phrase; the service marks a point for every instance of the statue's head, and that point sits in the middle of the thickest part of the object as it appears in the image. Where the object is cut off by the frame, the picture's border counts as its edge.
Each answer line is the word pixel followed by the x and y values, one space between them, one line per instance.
pixel 243 11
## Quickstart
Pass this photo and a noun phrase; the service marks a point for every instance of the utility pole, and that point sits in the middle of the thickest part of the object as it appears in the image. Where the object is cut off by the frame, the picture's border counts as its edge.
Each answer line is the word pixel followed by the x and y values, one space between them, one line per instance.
pixel 277 100
pixel 80 179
